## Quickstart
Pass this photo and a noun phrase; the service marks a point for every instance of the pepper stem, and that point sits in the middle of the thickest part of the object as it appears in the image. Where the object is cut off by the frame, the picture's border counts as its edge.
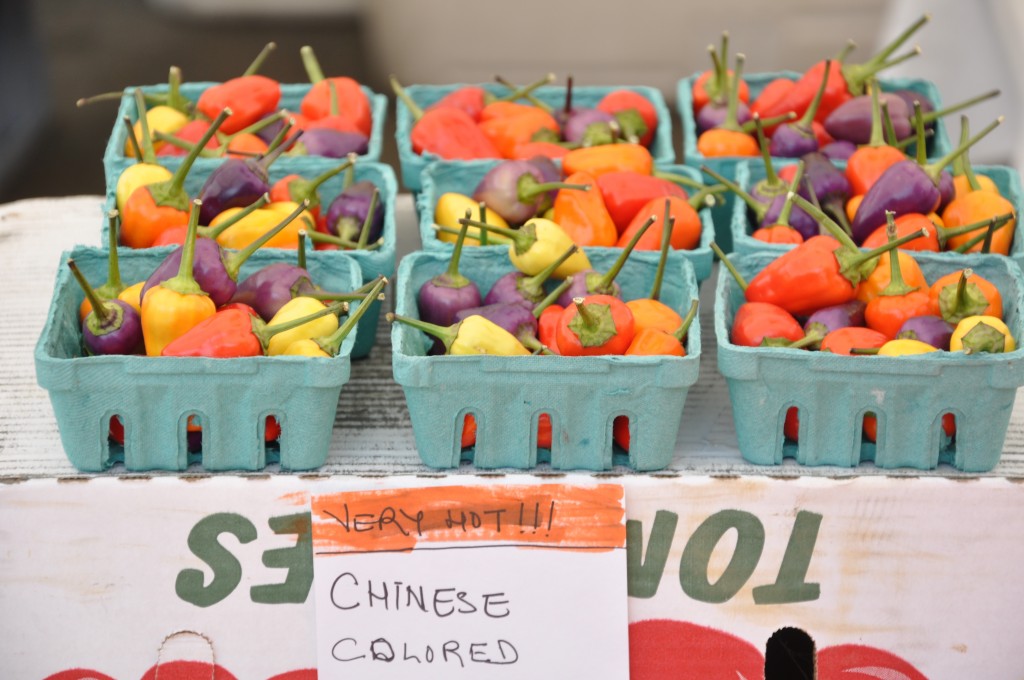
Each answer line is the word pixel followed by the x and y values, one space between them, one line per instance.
pixel 133 141
pixel 264 333
pixel 684 328
pixel 185 283
pixel 959 106
pixel 935 168
pixel 214 232
pixel 174 97
pixel 922 155
pixel 965 160
pixel 331 344
pixel 526 90
pixel 233 263
pixel 681 180
pixel 527 95
pixel 364 231
pixel 946 233
pixel 257 63
pixel 446 334
pixel 588 318
pixel 731 119
pixel 534 285
pixel 877 138
pixel 787 205
pixel 177 181
pixel 666 240
pixel 320 237
pixel 301 257
pixel 522 239
pixel 148 153
pixel 897 286
pixel 748 127
pixel 277 145
pixel 401 93
pixel 113 286
pixel 762 142
pixel 740 281
pixel 90 293
pixel 805 121
pixel 552 297
pixel 482 234
pixel 856 75
pixel 529 188
pixel 985 236
pixel 311 64
pixel 605 282
pixel 756 206
pixel 889 131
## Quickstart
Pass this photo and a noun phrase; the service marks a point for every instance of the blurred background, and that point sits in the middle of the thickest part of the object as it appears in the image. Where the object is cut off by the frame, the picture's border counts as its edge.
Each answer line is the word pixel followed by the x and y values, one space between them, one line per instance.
pixel 52 52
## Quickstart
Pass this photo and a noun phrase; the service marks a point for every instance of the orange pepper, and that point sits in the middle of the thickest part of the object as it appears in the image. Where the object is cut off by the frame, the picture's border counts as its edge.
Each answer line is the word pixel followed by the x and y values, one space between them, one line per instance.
pixel 655 342
pixel 962 186
pixel 981 288
pixel 530 149
pixel 660 335
pixel 779 233
pixel 686 228
pixel 907 224
pixel 869 288
pixel 899 300
pixel 514 125
pixel 595 325
pixel 582 214
pixel 654 314
pixel 244 144
pixel 975 207
pixel 597 160
pixel 867 164
pixel 720 142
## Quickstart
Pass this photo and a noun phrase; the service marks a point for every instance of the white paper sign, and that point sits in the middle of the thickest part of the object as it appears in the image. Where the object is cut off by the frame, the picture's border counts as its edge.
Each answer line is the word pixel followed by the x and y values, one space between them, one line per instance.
pixel 471 581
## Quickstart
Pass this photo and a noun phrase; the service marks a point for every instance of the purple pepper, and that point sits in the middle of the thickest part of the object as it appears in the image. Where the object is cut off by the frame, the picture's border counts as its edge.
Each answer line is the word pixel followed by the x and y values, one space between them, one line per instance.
pixel 594 283
pixel 766 190
pixel 933 330
pixel 828 319
pixel 269 288
pixel 549 173
pixel 798 218
pixel 713 114
pixel 796 139
pixel 828 183
pixel 516 189
pixel 113 327
pixel 839 150
pixel 214 269
pixel 910 96
pixel 904 187
pixel 590 127
pixel 851 120
pixel 330 143
pixel 519 288
pixel 347 212
pixel 947 190
pixel 441 297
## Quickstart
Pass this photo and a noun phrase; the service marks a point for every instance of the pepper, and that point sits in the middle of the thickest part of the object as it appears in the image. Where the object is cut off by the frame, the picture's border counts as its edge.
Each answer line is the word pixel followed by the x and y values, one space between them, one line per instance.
pixel 236 332
pixel 174 306
pixel 328 346
pixel 906 224
pixel 757 322
pixel 248 229
pixel 145 170
pixel 249 96
pixel 729 139
pixel 963 293
pixel 297 308
pixel 451 207
pixel 547 326
pixel 712 85
pixel 530 150
pixel 656 341
pixel 113 286
pixel 981 334
pixel 597 160
pixel 508 125
pixel 352 101
pixel 152 208
pixel 296 188
pixel 445 132
pixel 868 162
pixel 781 231
pixel 684 222
pixel 636 115
pixel 625 193
pixel 582 214
pixel 898 301
pixel 844 340
pixel 469 98
pixel 879 278
pixel 976 206
pixel 537 244
pixel 595 325
pixel 473 335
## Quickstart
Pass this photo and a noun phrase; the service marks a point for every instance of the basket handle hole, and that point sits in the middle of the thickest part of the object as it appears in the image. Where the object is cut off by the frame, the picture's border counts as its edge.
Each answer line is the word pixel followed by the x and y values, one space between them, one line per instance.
pixel 115 439
pixel 270 430
pixel 789 653
pixel 194 437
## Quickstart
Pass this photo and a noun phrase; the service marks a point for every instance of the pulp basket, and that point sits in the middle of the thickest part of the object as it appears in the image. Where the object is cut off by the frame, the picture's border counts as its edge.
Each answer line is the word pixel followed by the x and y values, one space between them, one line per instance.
pixel 372 263
pixel 462 177
pixel 938 144
pixel 412 164
pixel 115 161
pixel 507 395
pixel 749 173
pixel 909 394
pixel 155 396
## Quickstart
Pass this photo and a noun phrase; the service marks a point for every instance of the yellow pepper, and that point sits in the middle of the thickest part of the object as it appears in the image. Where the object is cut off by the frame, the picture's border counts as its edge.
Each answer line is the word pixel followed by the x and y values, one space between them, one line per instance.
pixel 258 222
pixel 981 334
pixel 132 295
pixel 159 119
pixel 138 175
pixel 905 346
pixel 471 336
pixel 172 308
pixel 452 207
pixel 328 346
pixel 537 244
pixel 294 309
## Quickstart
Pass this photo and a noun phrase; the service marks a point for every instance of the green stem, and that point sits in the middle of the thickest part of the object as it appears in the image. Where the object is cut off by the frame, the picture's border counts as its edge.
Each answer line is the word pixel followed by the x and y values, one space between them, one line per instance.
pixel 264 333
pixel 534 285
pixel 446 334
pixel 889 131
pixel 935 168
pixel 552 297
pixel 364 232
pixel 684 328
pixel 133 140
pixel 740 281
pixel 301 255
pixel 965 159
pixel 864 351
pixel 922 155
pixel 452 277
pixel 946 233
pixel 175 99
pixel 234 263
pixel 749 126
pixel 529 96
pixel 787 205
pixel 528 89
pixel 959 106
pixel 666 240
pixel 770 177
pixel 877 138
pixel 522 239
pixel 214 232
pixel 482 233
pixel 824 221
pixel 277 146
pixel 185 283
pixel 177 181
pixel 320 237
pixel 311 64
pixel 731 120
pixel 331 344
pixel 401 93
pixel 856 75
pixel 757 207
pixel 805 121
pixel 113 287
pixel 148 153
pixel 300 189
pixel 90 293
pixel 707 196
pixel 257 63
pixel 896 286
pixel 605 282
pixel 529 188
pixel 681 180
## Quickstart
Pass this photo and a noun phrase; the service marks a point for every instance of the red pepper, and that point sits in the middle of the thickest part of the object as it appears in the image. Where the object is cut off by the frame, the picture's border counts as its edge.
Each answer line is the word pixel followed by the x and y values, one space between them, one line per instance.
pixel 351 101
pixel 685 224
pixel 625 193
pixel 527 151
pixel 471 99
pixel 509 125
pixel 595 325
pixel 249 98
pixel 757 321
pixel 637 116
pixel 446 132
pixel 773 93
pixel 843 340
pixel 547 326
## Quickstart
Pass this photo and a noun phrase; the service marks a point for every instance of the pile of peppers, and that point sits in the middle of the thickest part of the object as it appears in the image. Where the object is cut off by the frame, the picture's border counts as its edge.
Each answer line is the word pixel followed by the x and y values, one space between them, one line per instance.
pixel 600 200
pixel 471 123
pixel 827 109
pixel 334 117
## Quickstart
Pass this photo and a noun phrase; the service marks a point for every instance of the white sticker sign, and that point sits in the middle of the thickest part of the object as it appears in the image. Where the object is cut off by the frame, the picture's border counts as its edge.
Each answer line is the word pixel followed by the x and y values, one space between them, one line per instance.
pixel 471 581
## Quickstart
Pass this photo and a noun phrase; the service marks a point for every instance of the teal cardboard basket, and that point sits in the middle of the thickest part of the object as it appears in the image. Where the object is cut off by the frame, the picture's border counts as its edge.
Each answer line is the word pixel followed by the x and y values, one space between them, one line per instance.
pixel 749 173
pixel 115 161
pixel 462 177
pixel 155 396
pixel 372 263
pixel 412 164
pixel 507 395
pixel 909 394
pixel 938 144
